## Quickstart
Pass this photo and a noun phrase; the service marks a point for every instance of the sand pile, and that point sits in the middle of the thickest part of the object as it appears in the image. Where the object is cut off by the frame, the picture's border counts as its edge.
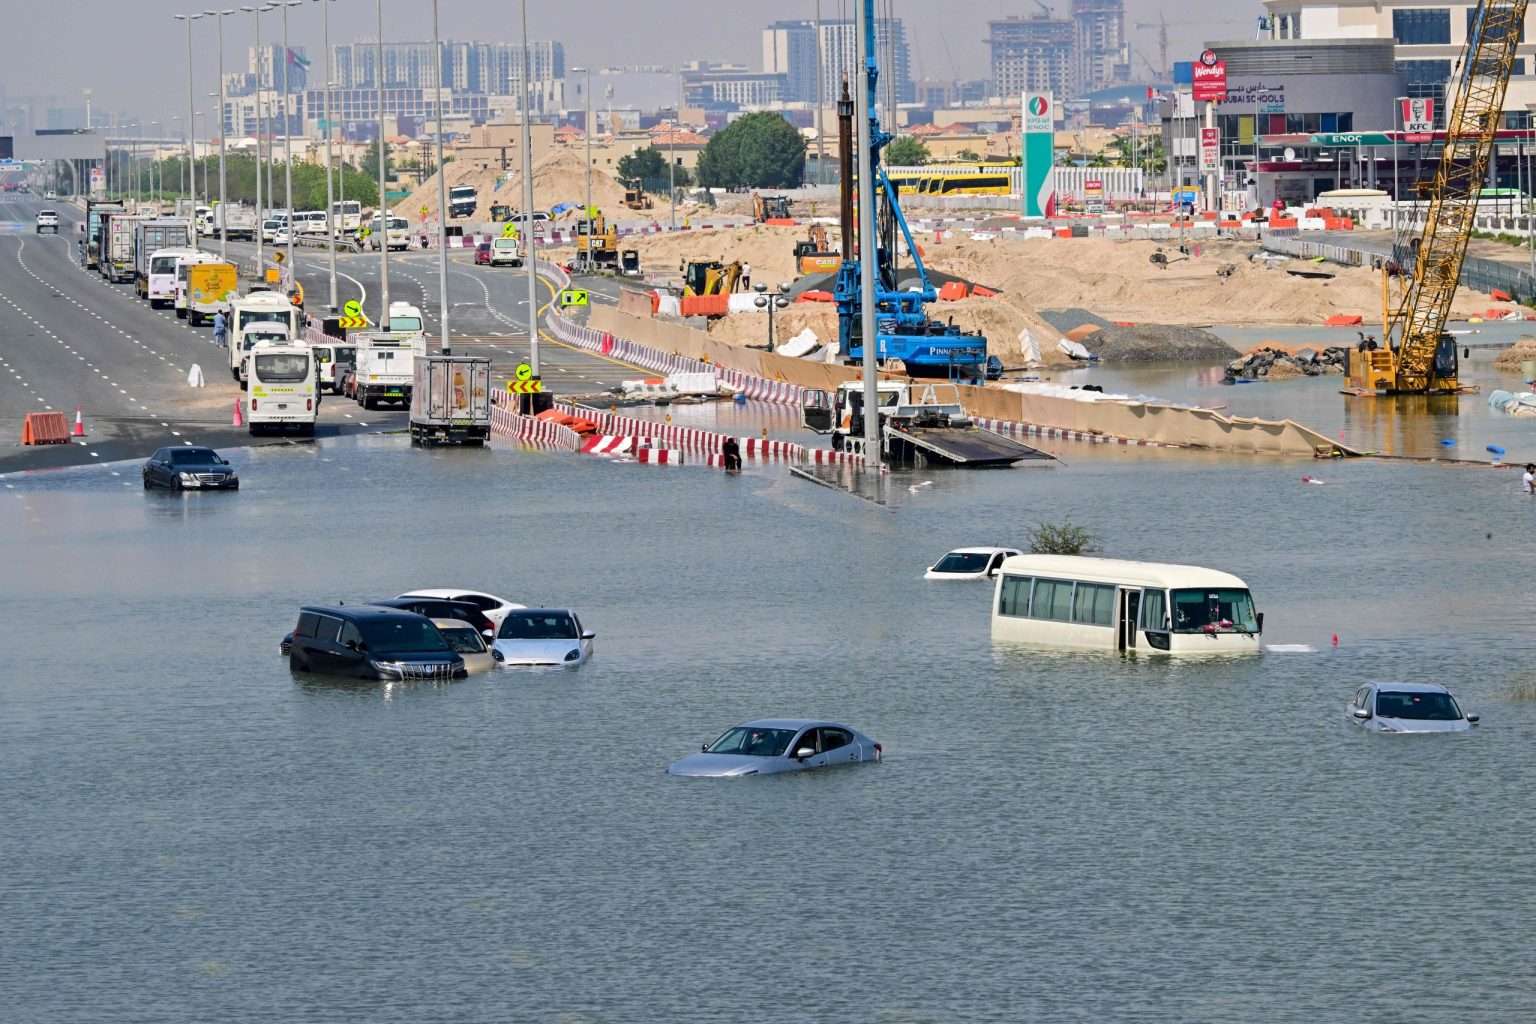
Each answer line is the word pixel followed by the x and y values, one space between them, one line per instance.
pixel 1117 280
pixel 1153 343
pixel 1511 358
pixel 770 250
pixel 559 177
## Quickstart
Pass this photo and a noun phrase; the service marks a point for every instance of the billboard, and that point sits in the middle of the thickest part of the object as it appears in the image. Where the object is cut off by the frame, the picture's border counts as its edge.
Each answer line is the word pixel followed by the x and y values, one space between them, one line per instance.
pixel 1039 154
pixel 1210 78
pixel 1093 195
pixel 1210 150
pixel 1418 119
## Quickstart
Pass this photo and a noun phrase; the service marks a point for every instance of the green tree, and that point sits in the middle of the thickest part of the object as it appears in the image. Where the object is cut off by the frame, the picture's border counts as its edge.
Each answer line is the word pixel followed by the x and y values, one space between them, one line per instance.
pixel 643 165
pixel 1063 538
pixel 906 151
pixel 759 150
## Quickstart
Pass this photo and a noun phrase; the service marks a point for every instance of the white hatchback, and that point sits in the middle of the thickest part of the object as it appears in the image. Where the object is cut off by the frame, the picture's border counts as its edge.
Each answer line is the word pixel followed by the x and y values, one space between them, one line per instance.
pixel 495 608
pixel 970 564
pixel 1408 708
pixel 542 636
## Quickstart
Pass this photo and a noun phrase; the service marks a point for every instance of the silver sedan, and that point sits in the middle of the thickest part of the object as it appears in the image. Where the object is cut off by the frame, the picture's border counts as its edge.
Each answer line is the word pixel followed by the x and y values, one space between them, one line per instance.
pixel 772 746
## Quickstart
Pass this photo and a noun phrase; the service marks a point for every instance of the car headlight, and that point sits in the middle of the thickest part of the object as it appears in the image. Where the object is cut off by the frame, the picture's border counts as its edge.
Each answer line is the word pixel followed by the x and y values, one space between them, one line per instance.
pixel 573 655
pixel 188 478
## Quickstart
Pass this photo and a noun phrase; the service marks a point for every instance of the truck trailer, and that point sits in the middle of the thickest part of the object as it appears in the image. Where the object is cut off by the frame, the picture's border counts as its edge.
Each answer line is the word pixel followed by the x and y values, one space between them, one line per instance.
pixel 451 400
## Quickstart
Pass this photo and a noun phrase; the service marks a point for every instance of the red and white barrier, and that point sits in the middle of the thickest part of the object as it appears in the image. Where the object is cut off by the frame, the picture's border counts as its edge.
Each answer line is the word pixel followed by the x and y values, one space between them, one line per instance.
pixel 659 456
pixel 532 430
pixel 609 444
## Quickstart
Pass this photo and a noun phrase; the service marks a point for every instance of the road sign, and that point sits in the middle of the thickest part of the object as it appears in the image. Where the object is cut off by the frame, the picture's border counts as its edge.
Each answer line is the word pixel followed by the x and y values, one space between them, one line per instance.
pixel 573 297
pixel 525 387
pixel 509 230
pixel 352 323
pixel 523 372
pixel 352 308
pixel 1210 150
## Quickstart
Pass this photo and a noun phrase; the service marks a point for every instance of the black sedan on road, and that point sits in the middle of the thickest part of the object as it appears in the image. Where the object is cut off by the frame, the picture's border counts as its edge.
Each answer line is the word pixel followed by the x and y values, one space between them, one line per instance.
pixel 190 468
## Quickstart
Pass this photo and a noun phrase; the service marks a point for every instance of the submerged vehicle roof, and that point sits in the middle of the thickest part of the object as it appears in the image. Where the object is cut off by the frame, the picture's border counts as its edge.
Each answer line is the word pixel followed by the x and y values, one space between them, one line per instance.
pixel 1116 570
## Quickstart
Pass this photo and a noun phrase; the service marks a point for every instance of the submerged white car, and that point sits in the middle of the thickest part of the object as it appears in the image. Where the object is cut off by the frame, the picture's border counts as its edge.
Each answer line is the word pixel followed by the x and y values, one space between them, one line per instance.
pixel 542 636
pixel 773 746
pixel 970 564
pixel 1408 708
pixel 495 608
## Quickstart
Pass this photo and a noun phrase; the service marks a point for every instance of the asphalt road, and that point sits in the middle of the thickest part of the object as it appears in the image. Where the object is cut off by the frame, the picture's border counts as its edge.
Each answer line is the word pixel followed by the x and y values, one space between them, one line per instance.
pixel 68 338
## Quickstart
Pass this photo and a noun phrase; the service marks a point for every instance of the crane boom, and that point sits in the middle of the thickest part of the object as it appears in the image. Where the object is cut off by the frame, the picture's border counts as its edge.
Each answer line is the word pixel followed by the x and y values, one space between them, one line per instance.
pixel 1425 360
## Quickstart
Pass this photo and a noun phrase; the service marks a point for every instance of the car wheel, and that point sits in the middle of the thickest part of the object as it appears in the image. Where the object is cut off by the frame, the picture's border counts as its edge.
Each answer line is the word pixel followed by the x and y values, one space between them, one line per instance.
pixel 176 483
pixel 147 484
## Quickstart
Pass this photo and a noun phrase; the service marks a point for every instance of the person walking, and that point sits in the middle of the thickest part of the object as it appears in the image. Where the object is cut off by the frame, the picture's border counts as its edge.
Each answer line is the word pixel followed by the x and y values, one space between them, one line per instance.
pixel 746 277
pixel 220 329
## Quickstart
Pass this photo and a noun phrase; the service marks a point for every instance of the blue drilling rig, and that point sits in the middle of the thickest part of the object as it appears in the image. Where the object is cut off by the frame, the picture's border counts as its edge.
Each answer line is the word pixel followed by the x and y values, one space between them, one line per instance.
pixel 904 331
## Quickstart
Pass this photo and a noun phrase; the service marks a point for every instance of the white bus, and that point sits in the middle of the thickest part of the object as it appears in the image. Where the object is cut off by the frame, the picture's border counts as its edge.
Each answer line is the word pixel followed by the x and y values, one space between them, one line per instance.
pixel 346 215
pixel 259 313
pixel 282 391
pixel 399 233
pixel 1112 605
pixel 161 287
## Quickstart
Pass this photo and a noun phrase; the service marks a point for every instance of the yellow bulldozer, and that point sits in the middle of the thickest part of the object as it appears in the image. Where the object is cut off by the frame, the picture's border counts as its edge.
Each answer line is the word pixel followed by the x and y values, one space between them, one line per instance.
pixel 635 198
pixel 709 277
pixel 600 248
pixel 767 208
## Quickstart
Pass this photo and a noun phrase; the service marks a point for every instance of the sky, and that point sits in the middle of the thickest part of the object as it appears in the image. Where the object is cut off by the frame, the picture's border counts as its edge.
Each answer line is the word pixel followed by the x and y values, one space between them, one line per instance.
pixel 132 54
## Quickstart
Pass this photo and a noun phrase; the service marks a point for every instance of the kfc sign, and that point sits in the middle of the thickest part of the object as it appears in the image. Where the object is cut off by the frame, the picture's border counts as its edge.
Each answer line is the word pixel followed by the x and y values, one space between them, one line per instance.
pixel 1210 78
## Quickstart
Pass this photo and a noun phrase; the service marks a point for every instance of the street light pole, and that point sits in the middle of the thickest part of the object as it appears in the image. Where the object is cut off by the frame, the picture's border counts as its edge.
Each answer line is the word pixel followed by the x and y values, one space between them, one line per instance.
pixel 672 151
pixel 442 195
pixel 261 125
pixel 191 124
pixel 293 275
pixel 586 125
pixel 382 238
pixel 821 153
pixel 223 214
pixel 330 201
pixel 864 95
pixel 530 259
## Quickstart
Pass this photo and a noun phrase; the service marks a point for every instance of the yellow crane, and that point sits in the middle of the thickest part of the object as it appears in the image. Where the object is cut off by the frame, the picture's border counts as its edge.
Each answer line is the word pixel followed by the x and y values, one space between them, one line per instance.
pixel 1420 358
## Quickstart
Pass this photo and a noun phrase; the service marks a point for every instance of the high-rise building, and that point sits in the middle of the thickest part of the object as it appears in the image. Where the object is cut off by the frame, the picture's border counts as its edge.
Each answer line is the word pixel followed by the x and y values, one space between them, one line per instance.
pixel 1099 46
pixel 790 48
pixel 264 67
pixel 484 68
pixel 1031 55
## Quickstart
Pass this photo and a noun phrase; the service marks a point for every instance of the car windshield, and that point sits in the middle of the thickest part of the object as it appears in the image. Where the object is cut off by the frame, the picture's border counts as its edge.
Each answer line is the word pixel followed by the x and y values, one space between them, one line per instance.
pixel 463 639
pixel 402 636
pixel 753 742
pixel 1213 611
pixel 538 626
pixel 962 561
pixel 263 316
pixel 162 265
pixel 1423 707
pixel 192 457
pixel 288 366
pixel 405 324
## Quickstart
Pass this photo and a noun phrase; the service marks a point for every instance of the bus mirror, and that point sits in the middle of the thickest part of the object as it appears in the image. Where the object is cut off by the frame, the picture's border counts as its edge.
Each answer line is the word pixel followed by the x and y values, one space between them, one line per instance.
pixel 1260 619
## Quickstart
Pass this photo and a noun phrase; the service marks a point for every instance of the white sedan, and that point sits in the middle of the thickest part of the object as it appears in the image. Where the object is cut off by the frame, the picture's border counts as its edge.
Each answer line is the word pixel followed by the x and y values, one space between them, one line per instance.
pixel 542 636
pixel 1408 708
pixel 495 608
pixel 969 564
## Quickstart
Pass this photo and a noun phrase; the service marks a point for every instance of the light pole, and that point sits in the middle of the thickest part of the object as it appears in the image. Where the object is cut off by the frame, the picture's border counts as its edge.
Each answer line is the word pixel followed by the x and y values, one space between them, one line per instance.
pixel 772 303
pixel 195 115
pixel 821 153
pixel 222 214
pixel 261 125
pixel 330 201
pixel 442 195
pixel 288 140
pixel 382 237
pixel 154 166
pixel 186 164
pixel 864 96
pixel 587 131
pixel 530 259
pixel 672 152
pixel 191 126
pixel 1397 120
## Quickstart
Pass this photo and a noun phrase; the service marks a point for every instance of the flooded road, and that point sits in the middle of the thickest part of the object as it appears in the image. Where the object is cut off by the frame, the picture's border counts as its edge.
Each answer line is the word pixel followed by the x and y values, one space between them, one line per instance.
pixel 193 833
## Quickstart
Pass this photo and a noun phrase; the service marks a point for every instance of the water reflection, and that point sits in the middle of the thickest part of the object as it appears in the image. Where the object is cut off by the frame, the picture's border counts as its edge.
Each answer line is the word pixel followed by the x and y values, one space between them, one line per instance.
pixel 318 684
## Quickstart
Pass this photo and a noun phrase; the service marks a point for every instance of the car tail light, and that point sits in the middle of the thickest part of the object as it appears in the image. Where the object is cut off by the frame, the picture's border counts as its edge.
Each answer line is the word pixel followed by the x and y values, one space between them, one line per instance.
pixel 309 404
pixel 254 403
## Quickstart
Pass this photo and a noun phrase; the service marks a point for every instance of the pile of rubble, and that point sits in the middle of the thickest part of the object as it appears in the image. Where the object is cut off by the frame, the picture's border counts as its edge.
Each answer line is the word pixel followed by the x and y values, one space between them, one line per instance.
pixel 1275 364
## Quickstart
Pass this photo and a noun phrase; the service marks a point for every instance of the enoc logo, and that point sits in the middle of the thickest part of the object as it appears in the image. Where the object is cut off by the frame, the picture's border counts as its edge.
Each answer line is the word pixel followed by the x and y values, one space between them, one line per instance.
pixel 1039 106
pixel 1208 58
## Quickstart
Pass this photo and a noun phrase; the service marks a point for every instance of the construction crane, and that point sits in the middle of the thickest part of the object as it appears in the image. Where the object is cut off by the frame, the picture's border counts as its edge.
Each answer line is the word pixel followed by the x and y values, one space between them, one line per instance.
pixel 1420 357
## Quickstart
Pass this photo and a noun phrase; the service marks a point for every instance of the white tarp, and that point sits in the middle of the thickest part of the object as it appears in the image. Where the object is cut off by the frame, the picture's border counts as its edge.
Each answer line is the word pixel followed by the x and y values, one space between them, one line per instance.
pixel 1073 349
pixel 743 302
pixel 1028 346
pixel 697 382
pixel 668 305
pixel 800 346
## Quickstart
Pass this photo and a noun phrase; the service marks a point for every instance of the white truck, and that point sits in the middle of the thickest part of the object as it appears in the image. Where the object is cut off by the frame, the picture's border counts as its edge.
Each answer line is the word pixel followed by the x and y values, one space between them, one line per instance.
pixel 386 370
pixel 282 392
pixel 155 236
pixel 398 236
pixel 451 400
pixel 204 286
pixel 116 256
pixel 238 222
pixel 259 314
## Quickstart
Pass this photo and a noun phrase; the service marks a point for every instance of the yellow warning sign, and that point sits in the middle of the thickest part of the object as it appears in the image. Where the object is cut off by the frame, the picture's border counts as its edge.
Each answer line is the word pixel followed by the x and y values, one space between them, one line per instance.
pixel 573 297
pixel 525 387
pixel 352 323
pixel 352 308
pixel 524 371
pixel 509 230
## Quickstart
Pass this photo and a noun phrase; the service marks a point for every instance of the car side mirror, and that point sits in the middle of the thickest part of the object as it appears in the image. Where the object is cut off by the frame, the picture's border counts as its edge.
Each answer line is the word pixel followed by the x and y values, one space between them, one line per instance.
pixel 496 654
pixel 1361 713
pixel 489 634
pixel 805 752
pixel 703 748
pixel 589 635
pixel 1474 719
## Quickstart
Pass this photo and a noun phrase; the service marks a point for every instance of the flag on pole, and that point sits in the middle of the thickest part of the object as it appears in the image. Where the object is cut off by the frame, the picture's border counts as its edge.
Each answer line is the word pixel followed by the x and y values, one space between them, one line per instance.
pixel 298 60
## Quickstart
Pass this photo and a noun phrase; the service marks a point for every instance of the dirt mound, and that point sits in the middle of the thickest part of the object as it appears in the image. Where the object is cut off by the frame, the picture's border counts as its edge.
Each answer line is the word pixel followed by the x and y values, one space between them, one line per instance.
pixel 770 250
pixel 558 177
pixel 1155 343
pixel 1069 320
pixel 1511 358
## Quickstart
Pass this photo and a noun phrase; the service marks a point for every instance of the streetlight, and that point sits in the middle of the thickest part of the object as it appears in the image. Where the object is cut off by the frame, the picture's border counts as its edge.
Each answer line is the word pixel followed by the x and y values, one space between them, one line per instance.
pixel 330 202
pixel 195 115
pixel 529 257
pixel 772 303
pixel 382 238
pixel 288 140
pixel 223 215
pixel 261 214
pixel 672 152
pixel 191 127
pixel 186 164
pixel 1398 102
pixel 586 126
pixel 442 195
pixel 154 166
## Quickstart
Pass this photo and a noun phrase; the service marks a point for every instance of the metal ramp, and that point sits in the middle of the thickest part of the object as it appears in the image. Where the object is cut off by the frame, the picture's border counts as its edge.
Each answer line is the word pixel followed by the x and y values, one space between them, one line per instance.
pixel 971 447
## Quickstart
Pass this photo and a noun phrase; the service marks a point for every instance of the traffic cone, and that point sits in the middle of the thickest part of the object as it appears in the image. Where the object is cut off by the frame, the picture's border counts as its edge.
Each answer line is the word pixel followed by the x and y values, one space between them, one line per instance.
pixel 79 430
pixel 238 420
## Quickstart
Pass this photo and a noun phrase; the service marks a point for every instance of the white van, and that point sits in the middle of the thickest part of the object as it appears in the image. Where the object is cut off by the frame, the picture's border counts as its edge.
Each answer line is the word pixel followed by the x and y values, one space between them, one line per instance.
pixel 309 222
pixel 282 389
pixel 182 263
pixel 405 318
pixel 259 314
pixel 330 357
pixel 399 234
pixel 1112 605
pixel 161 288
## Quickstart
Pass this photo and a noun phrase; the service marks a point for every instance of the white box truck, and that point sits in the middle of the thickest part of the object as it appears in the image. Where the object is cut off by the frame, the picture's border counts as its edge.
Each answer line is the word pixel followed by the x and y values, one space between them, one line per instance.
pixel 151 237
pixel 451 400
pixel 386 366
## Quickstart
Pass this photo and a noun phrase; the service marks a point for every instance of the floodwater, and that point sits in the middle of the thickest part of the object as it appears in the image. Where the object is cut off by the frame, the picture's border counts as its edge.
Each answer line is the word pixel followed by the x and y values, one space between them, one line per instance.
pixel 194 834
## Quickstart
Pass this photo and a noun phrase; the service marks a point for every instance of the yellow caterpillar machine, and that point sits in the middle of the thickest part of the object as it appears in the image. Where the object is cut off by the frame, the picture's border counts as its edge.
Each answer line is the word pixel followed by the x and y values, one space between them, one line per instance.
pixel 635 197
pixel 601 247
pixel 1419 357
pixel 709 277
pixel 767 208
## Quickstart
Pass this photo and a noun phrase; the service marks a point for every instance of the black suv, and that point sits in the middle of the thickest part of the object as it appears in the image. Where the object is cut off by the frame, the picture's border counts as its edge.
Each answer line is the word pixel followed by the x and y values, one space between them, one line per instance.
pixel 369 642
pixel 443 608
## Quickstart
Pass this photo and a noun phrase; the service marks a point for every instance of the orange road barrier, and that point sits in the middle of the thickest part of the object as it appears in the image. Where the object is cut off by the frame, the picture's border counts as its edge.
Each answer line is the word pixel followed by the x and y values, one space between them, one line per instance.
pixel 44 428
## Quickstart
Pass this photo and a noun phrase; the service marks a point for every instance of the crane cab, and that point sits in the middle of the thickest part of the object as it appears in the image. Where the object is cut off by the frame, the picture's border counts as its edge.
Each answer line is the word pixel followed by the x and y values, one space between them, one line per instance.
pixel 1385 371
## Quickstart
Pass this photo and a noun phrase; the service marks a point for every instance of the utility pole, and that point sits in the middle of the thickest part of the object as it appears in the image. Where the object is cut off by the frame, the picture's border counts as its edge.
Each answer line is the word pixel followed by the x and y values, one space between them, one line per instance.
pixel 530 259
pixel 293 273
pixel 330 201
pixel 382 238
pixel 821 152
pixel 672 151
pixel 864 96
pixel 191 114
pixel 442 196
pixel 223 214
pixel 261 212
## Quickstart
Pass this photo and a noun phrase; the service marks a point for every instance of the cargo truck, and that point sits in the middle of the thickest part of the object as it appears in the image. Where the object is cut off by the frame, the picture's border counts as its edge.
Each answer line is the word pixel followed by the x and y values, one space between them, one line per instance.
pixel 94 209
pixel 386 370
pixel 462 200
pixel 204 286
pixel 150 237
pixel 115 252
pixel 238 222
pixel 451 400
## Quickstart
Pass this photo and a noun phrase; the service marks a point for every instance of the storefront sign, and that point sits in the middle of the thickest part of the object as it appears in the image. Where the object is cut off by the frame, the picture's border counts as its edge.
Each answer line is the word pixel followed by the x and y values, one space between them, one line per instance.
pixel 1210 150
pixel 1418 119
pixel 1093 195
pixel 1352 139
pixel 1039 154
pixel 1210 78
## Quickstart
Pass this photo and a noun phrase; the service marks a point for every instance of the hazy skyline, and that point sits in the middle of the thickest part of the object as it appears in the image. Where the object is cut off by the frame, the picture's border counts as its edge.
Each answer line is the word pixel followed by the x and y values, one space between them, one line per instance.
pixel 133 54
